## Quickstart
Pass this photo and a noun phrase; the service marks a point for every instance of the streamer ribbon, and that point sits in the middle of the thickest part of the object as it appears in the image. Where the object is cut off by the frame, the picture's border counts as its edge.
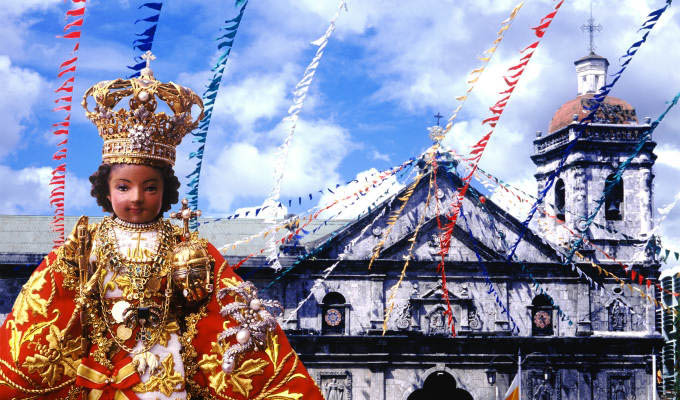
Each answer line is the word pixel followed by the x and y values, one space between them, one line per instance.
pixel 299 96
pixel 61 128
pixel 478 149
pixel 225 42
pixel 474 76
pixel 144 42
pixel 610 184
pixel 598 99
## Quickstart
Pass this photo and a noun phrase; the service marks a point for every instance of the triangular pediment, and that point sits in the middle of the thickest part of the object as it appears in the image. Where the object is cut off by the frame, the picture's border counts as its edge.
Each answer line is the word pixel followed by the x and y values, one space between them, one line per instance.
pixel 491 230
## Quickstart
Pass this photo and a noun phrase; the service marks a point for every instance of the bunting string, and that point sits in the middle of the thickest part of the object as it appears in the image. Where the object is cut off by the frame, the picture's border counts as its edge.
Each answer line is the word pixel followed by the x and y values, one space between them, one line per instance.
pixel 409 254
pixel 515 72
pixel 299 96
pixel 225 43
pixel 318 283
pixel 598 99
pixel 292 220
pixel 363 191
pixel 442 270
pixel 64 91
pixel 394 217
pixel 475 74
pixel 610 184
pixel 144 42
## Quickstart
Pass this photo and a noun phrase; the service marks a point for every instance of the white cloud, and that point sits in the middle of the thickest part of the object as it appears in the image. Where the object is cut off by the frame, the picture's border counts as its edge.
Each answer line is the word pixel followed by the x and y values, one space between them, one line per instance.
pixel 16 8
pixel 257 96
pixel 668 155
pixel 245 169
pixel 27 191
pixel 21 89
pixel 380 156
pixel 351 203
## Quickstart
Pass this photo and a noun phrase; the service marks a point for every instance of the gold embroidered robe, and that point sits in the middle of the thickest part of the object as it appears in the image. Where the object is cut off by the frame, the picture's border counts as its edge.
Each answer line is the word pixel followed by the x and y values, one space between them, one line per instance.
pixel 40 358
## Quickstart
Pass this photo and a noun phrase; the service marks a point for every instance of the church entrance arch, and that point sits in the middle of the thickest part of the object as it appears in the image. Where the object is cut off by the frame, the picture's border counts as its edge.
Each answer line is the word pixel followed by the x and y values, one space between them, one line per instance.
pixel 442 386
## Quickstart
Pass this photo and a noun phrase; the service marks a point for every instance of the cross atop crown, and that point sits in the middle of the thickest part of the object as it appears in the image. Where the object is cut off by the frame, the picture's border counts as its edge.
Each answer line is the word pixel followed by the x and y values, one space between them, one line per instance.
pixel 148 57
pixel 185 214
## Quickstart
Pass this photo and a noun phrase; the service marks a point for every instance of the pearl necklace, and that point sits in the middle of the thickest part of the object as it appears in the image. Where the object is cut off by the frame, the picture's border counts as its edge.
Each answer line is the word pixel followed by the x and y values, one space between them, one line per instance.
pixel 132 227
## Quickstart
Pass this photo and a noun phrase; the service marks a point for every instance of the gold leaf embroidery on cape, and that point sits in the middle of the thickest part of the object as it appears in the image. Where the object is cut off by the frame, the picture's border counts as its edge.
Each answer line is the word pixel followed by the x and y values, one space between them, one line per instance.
pixel 285 395
pixel 240 379
pixel 168 382
pixel 18 338
pixel 29 298
pixel 55 360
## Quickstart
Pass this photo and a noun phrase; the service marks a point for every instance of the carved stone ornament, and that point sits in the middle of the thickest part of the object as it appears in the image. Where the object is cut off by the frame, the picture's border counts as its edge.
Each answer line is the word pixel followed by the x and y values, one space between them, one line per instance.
pixel 335 384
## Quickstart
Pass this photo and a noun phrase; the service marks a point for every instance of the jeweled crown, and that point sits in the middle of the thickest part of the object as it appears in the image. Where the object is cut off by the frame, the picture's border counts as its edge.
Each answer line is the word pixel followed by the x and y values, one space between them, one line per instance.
pixel 139 135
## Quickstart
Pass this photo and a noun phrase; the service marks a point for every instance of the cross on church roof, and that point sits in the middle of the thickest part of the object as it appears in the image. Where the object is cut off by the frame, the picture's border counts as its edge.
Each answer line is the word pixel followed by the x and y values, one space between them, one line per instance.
pixel 438 116
pixel 591 28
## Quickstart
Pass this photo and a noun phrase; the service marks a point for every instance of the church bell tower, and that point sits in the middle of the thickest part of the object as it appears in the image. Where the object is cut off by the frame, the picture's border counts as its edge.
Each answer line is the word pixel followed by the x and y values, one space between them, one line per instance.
pixel 624 222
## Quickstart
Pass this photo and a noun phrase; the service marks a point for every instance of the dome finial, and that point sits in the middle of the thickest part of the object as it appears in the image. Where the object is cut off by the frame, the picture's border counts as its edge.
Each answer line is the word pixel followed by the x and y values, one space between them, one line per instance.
pixel 591 28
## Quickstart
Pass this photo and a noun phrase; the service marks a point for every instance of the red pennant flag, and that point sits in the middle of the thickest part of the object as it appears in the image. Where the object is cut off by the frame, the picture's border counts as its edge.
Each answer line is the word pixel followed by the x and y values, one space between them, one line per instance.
pixel 61 132
pixel 491 119
pixel 531 46
pixel 71 35
pixel 649 283
pixel 60 108
pixel 68 62
pixel 509 82
pixel 76 12
pixel 63 72
pixel 78 22
pixel 633 274
pixel 640 279
pixel 66 88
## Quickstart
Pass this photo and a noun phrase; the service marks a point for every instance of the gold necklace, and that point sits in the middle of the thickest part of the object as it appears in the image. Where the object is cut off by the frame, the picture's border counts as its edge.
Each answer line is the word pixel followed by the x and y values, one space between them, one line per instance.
pixel 111 256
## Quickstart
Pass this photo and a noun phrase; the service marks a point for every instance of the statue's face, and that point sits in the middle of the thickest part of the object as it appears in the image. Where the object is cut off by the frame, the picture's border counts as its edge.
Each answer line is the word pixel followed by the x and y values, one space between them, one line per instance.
pixel 135 192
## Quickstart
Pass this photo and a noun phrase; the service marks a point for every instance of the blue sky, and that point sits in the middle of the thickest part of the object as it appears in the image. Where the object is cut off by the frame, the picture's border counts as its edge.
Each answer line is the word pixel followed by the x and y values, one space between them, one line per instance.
pixel 387 69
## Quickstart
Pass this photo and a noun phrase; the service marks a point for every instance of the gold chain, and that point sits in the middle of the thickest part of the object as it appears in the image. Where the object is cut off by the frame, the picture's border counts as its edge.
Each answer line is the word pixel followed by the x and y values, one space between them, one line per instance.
pixel 112 257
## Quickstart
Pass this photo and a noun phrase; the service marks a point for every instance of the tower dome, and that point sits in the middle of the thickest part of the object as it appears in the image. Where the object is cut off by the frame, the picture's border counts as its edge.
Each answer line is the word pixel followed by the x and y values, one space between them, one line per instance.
pixel 612 111
pixel 591 76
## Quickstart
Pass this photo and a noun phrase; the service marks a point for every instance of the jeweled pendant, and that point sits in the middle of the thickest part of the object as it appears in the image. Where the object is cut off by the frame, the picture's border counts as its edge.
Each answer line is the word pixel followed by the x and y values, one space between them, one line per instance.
pixel 123 332
pixel 153 284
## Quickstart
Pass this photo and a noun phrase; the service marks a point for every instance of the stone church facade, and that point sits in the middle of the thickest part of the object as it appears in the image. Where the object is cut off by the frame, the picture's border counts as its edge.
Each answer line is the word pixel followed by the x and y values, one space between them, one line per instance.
pixel 596 345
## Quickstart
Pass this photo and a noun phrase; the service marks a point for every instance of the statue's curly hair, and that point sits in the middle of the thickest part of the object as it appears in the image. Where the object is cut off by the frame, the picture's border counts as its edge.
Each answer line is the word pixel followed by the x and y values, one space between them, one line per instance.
pixel 100 186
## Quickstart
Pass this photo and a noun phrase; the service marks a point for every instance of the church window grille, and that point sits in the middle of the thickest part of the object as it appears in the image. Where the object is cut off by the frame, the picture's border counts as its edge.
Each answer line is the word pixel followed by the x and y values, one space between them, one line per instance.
pixel 333 314
pixel 613 201
pixel 542 316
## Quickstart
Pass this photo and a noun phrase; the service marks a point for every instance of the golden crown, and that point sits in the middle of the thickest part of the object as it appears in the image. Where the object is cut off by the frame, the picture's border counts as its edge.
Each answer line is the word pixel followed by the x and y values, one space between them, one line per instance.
pixel 140 135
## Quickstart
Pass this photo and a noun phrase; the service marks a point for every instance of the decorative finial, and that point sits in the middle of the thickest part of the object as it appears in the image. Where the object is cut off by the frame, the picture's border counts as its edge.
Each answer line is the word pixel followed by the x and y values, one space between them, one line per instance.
pixel 436 134
pixel 591 28
pixel 146 72
pixel 185 214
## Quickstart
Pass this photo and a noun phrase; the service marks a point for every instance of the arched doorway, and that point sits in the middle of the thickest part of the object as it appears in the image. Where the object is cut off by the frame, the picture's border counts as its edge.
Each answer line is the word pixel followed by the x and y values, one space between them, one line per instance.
pixel 440 385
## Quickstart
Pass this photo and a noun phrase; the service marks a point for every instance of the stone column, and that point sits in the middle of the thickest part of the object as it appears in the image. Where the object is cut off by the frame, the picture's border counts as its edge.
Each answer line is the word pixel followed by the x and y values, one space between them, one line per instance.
pixel 377 297
pixel 377 384
pixel 583 309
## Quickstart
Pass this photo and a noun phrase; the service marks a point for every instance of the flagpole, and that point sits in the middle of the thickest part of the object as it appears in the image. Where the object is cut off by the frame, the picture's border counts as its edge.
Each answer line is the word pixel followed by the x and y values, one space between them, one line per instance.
pixel 519 371
pixel 653 375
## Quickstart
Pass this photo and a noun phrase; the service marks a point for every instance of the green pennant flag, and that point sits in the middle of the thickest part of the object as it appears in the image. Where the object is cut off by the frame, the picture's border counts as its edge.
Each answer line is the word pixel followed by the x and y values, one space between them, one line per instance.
pixel 677 256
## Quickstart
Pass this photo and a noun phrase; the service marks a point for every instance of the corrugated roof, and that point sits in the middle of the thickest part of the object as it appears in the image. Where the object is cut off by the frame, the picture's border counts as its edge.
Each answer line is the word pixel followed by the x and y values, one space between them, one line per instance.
pixel 21 234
